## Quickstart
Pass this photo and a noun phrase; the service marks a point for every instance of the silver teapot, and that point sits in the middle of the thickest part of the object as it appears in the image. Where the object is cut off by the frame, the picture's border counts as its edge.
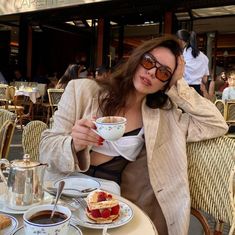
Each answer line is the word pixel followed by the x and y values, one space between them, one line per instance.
pixel 24 183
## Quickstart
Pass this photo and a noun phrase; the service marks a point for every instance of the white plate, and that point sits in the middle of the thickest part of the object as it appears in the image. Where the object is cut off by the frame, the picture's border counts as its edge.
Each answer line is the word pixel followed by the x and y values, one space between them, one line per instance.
pixel 3 207
pixel 77 183
pixel 81 219
pixel 14 224
pixel 73 230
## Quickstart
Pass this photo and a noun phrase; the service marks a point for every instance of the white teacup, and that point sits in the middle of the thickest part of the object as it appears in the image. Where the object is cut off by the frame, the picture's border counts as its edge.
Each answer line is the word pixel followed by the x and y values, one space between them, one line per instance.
pixel 33 225
pixel 111 127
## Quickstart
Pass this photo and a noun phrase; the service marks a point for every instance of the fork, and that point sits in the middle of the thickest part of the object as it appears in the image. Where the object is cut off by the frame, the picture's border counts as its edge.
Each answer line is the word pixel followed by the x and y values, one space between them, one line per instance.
pixel 81 201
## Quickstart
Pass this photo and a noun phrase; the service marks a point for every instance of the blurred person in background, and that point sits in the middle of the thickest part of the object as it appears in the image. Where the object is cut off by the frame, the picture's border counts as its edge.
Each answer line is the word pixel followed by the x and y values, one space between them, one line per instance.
pixel 19 77
pixel 81 61
pixel 221 82
pixel 208 90
pixel 102 73
pixel 71 73
pixel 196 62
pixel 229 92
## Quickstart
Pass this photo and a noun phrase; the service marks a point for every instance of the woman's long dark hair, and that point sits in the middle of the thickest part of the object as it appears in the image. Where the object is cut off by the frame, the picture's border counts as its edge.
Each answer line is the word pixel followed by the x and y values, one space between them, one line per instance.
pixel 191 40
pixel 116 89
pixel 70 74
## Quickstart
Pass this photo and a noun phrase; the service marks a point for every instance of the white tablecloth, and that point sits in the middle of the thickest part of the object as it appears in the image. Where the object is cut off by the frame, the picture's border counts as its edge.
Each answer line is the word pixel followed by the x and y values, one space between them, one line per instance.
pixel 33 95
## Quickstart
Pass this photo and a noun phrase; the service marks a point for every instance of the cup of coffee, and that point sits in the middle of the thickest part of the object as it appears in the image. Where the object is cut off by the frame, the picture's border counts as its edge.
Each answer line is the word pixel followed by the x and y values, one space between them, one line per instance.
pixel 111 127
pixel 37 220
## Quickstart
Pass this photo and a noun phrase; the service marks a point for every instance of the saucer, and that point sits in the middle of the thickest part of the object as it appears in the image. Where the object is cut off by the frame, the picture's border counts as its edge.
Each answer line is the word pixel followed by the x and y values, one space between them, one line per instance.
pixel 14 224
pixel 3 207
pixel 73 230
pixel 74 184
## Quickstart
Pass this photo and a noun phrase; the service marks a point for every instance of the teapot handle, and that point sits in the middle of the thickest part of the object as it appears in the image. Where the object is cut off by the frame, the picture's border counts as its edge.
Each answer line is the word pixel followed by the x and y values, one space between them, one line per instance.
pixel 3 162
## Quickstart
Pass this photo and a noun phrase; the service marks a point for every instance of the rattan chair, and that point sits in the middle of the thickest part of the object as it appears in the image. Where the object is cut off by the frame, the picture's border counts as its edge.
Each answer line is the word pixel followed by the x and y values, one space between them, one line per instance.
pixel 54 96
pixel 6 115
pixel 211 170
pixel 31 138
pixel 220 104
pixel 230 115
pixel 7 127
pixel 4 95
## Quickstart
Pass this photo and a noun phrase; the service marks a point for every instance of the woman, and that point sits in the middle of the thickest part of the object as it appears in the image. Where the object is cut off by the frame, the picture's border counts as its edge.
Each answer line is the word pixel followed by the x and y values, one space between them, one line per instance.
pixel 196 67
pixel 149 91
pixel 70 74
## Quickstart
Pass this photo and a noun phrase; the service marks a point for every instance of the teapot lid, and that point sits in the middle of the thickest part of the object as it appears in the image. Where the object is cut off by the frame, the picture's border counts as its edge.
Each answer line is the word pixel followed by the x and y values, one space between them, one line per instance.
pixel 25 162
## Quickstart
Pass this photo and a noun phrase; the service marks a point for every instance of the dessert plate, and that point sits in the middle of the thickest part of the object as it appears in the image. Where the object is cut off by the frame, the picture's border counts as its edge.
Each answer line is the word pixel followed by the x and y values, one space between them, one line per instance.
pixel 80 218
pixel 73 230
pixel 14 224
pixel 75 185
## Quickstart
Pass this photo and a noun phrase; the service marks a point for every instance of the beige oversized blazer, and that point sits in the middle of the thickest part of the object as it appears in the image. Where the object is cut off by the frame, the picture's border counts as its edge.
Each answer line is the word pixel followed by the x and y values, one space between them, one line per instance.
pixel 166 131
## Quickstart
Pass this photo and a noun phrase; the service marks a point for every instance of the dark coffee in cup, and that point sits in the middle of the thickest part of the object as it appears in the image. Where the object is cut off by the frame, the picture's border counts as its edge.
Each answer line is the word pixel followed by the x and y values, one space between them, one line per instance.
pixel 43 217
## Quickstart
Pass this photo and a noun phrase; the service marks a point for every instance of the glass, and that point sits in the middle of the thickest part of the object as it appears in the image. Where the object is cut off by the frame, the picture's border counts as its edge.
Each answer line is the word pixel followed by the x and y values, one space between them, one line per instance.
pixel 163 73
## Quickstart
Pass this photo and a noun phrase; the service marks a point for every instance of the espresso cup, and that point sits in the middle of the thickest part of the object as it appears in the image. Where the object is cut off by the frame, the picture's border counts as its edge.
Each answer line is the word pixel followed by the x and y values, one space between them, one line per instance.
pixel 37 220
pixel 111 127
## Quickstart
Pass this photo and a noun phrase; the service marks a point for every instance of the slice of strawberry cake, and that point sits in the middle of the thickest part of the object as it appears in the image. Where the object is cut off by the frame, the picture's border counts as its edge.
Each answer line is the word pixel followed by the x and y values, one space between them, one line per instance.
pixel 102 207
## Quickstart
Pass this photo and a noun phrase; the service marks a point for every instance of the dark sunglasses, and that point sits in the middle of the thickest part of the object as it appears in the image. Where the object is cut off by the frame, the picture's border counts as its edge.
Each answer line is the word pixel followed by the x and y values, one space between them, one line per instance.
pixel 148 61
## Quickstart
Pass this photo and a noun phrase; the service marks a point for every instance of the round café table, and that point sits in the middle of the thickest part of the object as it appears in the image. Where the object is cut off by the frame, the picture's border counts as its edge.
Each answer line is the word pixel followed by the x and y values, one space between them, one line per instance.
pixel 139 225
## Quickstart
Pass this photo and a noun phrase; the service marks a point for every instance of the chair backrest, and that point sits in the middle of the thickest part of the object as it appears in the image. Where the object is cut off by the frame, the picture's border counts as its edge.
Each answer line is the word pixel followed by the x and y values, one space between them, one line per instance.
pixel 54 96
pixel 31 138
pixel 4 92
pixel 230 117
pixel 7 115
pixel 211 165
pixel 220 104
pixel 42 89
pixel 6 134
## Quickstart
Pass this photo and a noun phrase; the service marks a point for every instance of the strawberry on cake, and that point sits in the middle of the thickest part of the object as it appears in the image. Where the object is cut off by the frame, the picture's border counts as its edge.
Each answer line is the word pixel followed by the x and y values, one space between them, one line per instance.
pixel 102 207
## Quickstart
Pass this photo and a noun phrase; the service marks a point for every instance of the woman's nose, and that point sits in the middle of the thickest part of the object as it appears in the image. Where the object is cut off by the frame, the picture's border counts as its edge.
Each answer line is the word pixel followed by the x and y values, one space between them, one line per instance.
pixel 151 72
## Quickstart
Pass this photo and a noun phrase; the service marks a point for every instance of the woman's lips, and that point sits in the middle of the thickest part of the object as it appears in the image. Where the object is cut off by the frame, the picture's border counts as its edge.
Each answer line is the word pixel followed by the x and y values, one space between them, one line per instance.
pixel 145 81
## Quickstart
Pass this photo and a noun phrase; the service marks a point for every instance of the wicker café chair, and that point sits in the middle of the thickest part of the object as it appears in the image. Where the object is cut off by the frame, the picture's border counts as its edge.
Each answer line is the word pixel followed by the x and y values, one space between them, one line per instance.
pixel 211 169
pixel 54 96
pixel 6 115
pixel 230 116
pixel 6 134
pixel 220 104
pixel 4 95
pixel 31 138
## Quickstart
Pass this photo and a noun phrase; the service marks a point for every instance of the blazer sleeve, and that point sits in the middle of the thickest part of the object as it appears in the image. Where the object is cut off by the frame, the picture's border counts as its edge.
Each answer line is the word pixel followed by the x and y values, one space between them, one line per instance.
pixel 198 116
pixel 56 143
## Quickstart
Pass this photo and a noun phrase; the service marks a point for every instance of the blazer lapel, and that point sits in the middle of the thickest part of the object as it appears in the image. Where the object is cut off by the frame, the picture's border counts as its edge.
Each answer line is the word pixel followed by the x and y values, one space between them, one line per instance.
pixel 151 123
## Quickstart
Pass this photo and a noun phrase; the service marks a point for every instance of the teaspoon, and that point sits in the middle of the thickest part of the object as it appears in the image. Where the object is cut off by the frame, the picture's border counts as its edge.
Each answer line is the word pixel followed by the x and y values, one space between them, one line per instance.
pixel 58 194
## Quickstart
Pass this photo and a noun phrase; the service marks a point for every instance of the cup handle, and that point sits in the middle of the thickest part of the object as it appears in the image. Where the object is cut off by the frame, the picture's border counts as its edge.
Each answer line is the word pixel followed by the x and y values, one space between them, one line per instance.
pixel 95 131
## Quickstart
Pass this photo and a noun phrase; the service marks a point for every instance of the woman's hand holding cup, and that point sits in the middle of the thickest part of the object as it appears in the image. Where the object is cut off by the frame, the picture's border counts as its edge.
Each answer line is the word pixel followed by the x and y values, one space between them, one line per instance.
pixel 83 135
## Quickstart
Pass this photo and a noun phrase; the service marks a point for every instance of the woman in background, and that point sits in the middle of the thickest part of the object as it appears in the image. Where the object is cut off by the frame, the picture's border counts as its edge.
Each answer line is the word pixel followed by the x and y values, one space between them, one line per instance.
pixel 196 62
pixel 70 74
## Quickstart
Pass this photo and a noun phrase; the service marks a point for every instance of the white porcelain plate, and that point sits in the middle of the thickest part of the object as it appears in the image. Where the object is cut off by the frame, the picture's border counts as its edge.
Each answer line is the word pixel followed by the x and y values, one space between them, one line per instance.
pixel 126 215
pixel 76 183
pixel 73 230
pixel 3 207
pixel 14 224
